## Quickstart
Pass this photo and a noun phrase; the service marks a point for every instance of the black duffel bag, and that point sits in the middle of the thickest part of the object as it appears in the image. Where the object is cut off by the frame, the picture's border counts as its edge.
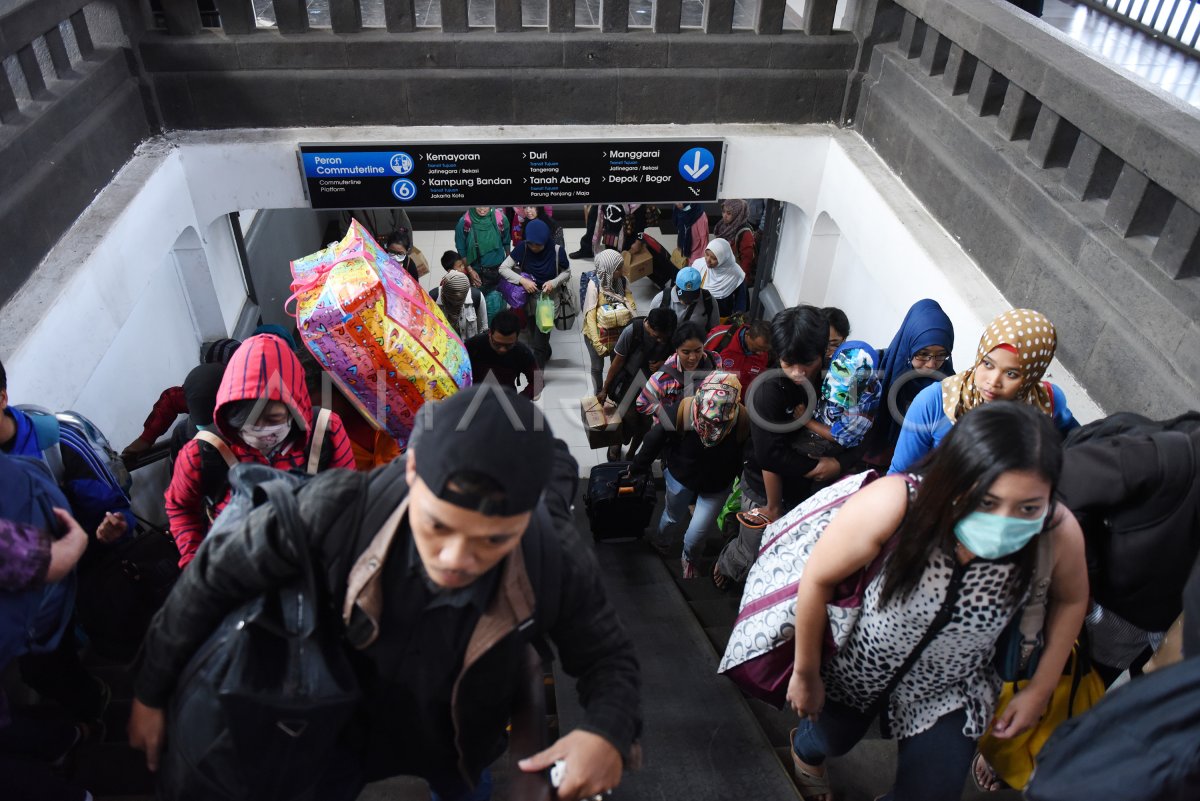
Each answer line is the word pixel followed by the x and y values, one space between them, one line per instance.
pixel 259 708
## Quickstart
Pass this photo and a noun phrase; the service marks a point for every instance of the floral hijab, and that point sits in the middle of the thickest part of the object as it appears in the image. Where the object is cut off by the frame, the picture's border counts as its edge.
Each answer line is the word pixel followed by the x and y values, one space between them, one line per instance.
pixel 1033 337
pixel 851 392
pixel 715 407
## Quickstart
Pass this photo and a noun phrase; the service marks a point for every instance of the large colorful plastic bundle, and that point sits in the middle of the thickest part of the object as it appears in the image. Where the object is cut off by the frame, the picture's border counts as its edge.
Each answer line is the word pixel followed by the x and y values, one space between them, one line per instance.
pixel 376 331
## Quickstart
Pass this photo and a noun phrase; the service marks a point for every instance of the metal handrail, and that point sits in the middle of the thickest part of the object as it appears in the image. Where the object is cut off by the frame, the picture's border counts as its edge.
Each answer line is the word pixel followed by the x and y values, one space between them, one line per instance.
pixel 1175 23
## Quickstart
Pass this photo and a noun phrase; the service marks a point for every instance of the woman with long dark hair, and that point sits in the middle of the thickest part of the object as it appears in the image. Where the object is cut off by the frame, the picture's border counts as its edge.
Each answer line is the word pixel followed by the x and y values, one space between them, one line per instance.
pixel 921 653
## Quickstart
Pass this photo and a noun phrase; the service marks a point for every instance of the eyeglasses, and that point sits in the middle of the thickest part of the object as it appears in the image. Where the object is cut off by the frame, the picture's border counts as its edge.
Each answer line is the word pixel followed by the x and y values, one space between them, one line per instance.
pixel 932 359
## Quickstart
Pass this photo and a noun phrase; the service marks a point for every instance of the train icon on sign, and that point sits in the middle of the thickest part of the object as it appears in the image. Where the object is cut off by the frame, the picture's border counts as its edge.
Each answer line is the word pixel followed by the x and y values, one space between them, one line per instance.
pixel 404 190
pixel 401 163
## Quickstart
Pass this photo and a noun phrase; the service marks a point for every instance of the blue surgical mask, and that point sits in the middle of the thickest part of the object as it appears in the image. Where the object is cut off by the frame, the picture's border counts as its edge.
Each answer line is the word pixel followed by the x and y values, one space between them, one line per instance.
pixel 992 536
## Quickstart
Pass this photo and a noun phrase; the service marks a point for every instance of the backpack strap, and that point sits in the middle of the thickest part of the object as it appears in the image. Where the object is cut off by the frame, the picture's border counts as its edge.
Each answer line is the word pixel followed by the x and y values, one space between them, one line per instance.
pixel 683 413
pixel 727 338
pixel 742 429
pixel 46 432
pixel 1033 616
pixel 320 427
pixel 220 445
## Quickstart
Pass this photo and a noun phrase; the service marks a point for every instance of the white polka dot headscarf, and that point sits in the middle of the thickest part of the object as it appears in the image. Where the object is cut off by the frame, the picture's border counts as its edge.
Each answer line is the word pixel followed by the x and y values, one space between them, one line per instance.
pixel 1034 339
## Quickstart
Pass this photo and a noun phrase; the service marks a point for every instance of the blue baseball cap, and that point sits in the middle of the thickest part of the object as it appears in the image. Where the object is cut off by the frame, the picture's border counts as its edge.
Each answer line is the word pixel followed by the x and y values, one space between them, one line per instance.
pixel 688 281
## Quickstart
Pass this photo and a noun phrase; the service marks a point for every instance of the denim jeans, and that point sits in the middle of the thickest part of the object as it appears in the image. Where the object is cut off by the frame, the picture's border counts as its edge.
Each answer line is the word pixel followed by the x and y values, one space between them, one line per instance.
pixel 704 520
pixel 596 364
pixel 932 765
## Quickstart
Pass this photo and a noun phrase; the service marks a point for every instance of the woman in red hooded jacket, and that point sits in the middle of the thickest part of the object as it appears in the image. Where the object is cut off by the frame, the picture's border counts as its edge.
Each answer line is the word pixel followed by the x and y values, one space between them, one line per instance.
pixel 263 414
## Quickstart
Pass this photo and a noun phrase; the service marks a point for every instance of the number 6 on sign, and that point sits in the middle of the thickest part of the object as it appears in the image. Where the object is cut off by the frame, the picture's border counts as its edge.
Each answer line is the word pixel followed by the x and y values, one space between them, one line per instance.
pixel 404 189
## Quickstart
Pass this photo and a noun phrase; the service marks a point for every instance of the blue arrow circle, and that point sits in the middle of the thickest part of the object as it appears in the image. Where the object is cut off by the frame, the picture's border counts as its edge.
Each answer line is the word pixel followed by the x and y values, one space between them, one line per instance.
pixel 404 190
pixel 401 163
pixel 697 165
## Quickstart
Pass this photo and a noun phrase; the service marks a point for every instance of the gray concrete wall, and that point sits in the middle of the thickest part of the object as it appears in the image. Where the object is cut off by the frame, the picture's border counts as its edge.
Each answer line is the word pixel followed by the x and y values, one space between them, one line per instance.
pixel 1072 187
pixel 67 124
pixel 265 79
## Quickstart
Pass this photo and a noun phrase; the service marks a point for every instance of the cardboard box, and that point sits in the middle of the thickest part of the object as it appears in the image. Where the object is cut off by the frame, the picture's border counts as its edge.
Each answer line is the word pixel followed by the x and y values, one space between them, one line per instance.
pixel 601 422
pixel 638 266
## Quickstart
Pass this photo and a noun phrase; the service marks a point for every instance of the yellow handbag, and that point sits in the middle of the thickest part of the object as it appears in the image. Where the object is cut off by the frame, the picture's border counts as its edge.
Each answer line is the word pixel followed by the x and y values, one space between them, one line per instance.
pixel 1079 689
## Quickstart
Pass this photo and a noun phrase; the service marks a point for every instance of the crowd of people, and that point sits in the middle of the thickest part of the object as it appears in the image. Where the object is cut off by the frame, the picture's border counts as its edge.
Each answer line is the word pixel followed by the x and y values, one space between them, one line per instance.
pixel 445 561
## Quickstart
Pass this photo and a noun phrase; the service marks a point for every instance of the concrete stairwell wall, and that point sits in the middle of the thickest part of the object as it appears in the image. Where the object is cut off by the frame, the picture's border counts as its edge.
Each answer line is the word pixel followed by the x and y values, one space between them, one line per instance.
pixel 71 113
pixel 1073 188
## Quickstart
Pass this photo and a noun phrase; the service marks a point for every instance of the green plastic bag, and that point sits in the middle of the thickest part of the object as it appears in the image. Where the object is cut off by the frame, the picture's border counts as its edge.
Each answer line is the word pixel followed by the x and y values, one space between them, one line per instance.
pixel 543 313
pixel 733 505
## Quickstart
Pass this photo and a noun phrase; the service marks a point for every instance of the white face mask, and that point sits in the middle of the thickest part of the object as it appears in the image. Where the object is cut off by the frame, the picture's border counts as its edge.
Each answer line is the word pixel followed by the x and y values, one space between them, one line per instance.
pixel 265 438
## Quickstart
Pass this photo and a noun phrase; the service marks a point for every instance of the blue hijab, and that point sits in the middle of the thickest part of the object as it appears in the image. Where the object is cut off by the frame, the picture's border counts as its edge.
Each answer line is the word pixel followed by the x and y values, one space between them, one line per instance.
pixel 925 325
pixel 542 266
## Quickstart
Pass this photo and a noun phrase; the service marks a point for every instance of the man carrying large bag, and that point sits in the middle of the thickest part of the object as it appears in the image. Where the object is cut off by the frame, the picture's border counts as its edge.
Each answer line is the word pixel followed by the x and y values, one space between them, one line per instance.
pixel 442 569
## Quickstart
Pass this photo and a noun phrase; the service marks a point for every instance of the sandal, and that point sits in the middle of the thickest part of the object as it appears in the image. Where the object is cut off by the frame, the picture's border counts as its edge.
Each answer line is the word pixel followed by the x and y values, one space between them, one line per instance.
pixel 720 580
pixel 985 776
pixel 810 785
pixel 754 519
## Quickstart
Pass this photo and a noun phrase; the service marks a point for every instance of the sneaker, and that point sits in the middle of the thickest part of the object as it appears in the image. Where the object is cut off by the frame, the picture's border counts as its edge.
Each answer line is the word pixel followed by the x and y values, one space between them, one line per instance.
pixel 579 254
pixel 689 569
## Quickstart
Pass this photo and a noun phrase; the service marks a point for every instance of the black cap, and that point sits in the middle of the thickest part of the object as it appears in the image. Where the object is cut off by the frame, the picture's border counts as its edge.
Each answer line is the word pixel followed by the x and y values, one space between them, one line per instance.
pixel 484 430
pixel 200 389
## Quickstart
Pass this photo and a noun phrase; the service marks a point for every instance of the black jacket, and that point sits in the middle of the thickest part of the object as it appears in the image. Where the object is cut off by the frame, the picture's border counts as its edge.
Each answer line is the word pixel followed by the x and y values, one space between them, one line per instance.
pixel 773 398
pixel 700 469
pixel 1137 497
pixel 553 589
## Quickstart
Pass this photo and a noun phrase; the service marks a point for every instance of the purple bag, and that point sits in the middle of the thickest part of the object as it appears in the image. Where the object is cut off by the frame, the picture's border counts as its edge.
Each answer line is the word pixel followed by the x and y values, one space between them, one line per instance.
pixel 514 294
pixel 761 649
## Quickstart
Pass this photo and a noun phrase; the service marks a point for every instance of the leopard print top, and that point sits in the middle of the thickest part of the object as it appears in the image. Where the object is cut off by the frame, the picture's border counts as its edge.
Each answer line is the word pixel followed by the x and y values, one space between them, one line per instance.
pixel 954 669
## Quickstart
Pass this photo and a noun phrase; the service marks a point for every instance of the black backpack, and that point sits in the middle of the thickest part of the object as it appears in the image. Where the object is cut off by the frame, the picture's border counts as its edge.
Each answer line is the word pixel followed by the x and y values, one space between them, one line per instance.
pixel 1139 743
pixel 687 315
pixel 260 707
pixel 1134 484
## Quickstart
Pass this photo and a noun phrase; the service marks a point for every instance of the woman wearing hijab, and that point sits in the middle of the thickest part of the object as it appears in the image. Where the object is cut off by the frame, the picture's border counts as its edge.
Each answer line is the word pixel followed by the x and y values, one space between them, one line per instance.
pixel 703 455
pixel 691 229
pixel 547 264
pixel 721 275
pixel 918 356
pixel 1014 352
pixel 606 285
pixel 467 319
pixel 735 228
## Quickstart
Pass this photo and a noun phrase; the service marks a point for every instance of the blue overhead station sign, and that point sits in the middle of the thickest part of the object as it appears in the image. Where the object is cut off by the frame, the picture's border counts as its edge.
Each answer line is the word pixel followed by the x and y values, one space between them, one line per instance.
pixel 414 174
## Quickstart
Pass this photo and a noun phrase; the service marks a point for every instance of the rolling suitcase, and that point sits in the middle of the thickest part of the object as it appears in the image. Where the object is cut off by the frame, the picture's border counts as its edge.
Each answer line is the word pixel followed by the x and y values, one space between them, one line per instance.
pixel 618 507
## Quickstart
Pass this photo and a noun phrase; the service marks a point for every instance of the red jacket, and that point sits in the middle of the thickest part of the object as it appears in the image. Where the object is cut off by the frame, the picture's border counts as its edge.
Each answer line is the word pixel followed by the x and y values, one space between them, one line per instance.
pixel 734 358
pixel 263 366
pixel 170 404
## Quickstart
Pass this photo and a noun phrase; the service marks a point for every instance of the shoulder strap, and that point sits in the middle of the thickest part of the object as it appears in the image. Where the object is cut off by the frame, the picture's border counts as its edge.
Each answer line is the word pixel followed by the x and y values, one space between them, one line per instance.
pixel 1033 616
pixel 499 218
pixel 46 432
pixel 708 303
pixel 682 412
pixel 726 338
pixel 320 427
pixel 742 431
pixel 219 444
pixel 666 298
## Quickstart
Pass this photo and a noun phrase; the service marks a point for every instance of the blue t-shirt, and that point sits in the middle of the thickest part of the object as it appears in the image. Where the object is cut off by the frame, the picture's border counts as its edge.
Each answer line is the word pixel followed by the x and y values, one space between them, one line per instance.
pixel 926 423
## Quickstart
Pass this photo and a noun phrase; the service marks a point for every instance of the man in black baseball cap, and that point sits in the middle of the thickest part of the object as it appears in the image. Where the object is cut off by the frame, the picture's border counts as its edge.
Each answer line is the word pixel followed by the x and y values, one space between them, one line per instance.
pixel 446 565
